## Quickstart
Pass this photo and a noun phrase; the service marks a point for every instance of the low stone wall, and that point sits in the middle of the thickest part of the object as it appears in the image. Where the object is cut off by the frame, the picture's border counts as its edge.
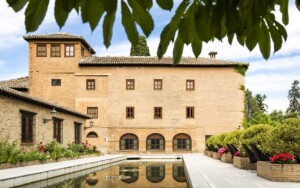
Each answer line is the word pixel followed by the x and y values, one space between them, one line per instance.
pixel 216 156
pixel 243 163
pixel 226 158
pixel 205 152
pixel 210 153
pixel 279 172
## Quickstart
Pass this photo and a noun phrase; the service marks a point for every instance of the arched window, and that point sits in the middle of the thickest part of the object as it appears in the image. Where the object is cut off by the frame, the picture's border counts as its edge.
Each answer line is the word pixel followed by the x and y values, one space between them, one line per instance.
pixel 182 142
pixel 130 173
pixel 92 135
pixel 155 142
pixel 129 142
pixel 155 173
pixel 178 173
pixel 92 180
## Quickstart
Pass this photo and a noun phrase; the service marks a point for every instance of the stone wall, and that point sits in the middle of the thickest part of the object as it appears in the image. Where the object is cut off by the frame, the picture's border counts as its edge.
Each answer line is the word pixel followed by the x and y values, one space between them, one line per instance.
pixel 10 122
pixel 243 163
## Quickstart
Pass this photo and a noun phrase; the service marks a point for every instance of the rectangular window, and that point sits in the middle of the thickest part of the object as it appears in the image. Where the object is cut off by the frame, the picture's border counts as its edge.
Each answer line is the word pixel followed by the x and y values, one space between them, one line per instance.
pixel 190 84
pixel 56 82
pixel 190 112
pixel 157 84
pixel 129 112
pixel 157 112
pixel 77 133
pixel 58 130
pixel 27 127
pixel 82 51
pixel 130 84
pixel 41 50
pixel 55 50
pixel 69 50
pixel 90 84
pixel 93 112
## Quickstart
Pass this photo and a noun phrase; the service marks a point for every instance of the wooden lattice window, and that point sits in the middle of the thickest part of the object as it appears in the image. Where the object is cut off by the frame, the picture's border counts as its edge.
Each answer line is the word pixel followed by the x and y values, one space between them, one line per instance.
pixel 129 142
pixel 130 84
pixel 69 50
pixel 58 130
pixel 77 132
pixel 182 142
pixel 82 51
pixel 41 50
pixel 157 84
pixel 155 142
pixel 190 112
pixel 178 173
pixel 190 84
pixel 90 84
pixel 130 112
pixel 157 112
pixel 55 50
pixel 56 82
pixel 93 112
pixel 27 126
pixel 155 173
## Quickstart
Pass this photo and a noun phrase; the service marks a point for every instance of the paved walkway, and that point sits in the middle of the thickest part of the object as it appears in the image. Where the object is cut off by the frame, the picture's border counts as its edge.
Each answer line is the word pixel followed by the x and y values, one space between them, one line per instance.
pixel 206 172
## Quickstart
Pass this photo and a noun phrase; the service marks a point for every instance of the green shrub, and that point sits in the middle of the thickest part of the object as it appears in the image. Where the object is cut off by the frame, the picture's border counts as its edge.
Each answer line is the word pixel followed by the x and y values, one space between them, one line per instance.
pixel 285 138
pixel 233 138
pixel 257 135
pixel 55 149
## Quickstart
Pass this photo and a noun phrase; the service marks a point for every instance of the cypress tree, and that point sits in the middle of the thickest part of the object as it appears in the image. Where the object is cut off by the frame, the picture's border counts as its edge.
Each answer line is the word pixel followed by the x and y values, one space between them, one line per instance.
pixel 141 49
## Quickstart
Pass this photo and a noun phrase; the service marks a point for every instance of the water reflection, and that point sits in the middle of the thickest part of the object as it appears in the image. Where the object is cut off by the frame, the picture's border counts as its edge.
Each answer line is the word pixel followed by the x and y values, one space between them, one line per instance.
pixel 155 173
pixel 178 173
pixel 129 171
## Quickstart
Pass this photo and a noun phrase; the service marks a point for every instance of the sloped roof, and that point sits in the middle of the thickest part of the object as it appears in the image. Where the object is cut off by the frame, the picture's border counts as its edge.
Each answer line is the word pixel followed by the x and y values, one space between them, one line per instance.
pixel 154 61
pixel 5 91
pixel 18 83
pixel 59 36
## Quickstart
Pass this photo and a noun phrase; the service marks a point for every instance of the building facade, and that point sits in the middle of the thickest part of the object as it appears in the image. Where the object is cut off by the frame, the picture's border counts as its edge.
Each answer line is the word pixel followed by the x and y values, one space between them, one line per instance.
pixel 137 104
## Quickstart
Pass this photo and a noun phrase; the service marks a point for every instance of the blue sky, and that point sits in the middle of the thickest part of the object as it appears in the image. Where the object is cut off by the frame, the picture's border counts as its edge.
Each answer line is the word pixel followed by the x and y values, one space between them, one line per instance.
pixel 272 77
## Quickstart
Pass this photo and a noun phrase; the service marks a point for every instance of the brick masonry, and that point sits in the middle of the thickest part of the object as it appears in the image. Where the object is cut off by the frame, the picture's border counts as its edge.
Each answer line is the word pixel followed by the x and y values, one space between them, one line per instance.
pixel 226 158
pixel 243 163
pixel 216 156
pixel 217 99
pixel 279 172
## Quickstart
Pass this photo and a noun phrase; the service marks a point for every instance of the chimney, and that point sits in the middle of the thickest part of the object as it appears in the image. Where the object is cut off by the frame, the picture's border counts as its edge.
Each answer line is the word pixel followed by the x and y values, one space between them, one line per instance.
pixel 213 54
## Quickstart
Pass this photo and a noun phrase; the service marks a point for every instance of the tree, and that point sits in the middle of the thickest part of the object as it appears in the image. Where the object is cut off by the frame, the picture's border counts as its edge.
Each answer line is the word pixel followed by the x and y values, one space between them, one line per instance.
pixel 251 22
pixel 141 49
pixel 294 98
pixel 260 102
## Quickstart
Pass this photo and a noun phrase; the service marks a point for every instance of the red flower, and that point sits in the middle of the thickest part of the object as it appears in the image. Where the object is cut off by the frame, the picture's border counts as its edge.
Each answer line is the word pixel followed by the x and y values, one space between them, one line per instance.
pixel 282 158
pixel 236 153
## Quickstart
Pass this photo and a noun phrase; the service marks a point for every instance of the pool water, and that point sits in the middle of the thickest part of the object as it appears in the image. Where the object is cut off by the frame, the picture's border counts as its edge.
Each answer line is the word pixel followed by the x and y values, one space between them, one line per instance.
pixel 133 174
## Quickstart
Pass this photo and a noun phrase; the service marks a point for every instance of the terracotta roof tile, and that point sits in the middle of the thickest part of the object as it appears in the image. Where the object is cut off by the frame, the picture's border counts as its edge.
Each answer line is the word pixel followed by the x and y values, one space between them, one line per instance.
pixel 154 61
pixel 59 36
pixel 18 83
pixel 5 91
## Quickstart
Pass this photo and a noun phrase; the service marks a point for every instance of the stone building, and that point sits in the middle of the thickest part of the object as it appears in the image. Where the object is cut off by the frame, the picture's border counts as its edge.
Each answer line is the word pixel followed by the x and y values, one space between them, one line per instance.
pixel 28 120
pixel 137 104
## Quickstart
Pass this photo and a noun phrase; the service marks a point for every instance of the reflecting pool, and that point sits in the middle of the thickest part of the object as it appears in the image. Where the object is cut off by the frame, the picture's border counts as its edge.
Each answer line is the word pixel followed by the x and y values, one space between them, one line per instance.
pixel 126 174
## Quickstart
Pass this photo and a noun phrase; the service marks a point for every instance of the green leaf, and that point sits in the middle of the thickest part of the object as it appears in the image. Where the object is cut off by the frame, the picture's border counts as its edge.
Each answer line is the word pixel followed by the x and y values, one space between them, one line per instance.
pixel 177 51
pixel 241 39
pixel 68 5
pixel 169 31
pixel 17 5
pixel 285 12
pixel 146 4
pixel 230 38
pixel 61 15
pixel 35 14
pixel 281 29
pixel 108 23
pixel 92 11
pixel 275 35
pixel 252 37
pixel 129 24
pixel 142 17
pixel 165 4
pixel 203 23
pixel 197 46
pixel 297 2
pixel 264 41
pixel 187 28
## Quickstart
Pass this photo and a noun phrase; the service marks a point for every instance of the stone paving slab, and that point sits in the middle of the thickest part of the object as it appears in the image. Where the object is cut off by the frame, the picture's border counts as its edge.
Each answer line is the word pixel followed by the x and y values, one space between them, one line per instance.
pixel 206 172
pixel 23 175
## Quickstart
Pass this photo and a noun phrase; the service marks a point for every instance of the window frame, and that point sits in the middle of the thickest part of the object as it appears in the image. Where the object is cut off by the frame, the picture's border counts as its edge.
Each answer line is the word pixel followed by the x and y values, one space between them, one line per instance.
pixel 183 137
pixel 135 146
pixel 37 50
pixel 161 84
pixel 55 79
pixel 68 45
pixel 51 50
pixel 190 112
pixel 129 86
pixel 158 112
pixel 130 114
pixel 82 51
pixel 92 108
pixel 188 88
pixel 58 130
pixel 29 126
pixel 157 137
pixel 77 132
pixel 88 87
